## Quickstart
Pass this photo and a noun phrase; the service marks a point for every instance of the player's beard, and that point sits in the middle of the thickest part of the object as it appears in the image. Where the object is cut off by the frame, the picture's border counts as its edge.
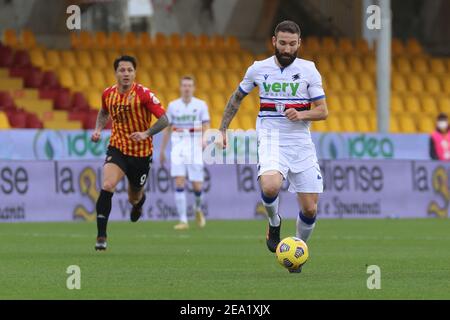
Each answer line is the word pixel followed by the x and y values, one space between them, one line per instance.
pixel 285 59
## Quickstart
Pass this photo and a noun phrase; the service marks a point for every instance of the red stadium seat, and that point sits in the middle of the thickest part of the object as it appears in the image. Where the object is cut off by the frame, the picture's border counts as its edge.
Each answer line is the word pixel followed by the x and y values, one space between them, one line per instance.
pixel 33 122
pixel 17 119
pixel 6 57
pixel 21 59
pixel 50 80
pixel 6 101
pixel 79 102
pixel 62 100
pixel 34 78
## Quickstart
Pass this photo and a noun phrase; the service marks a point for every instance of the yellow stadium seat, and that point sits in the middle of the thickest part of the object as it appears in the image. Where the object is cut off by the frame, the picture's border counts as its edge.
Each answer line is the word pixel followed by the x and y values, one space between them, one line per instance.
pixel 144 78
pixel 348 103
pixel 175 41
pixel 248 106
pixel 345 46
pixel 145 41
pixel 189 41
pixel 247 59
pixel 68 58
pixel 324 65
pixel 66 77
pixel 218 42
pixel 176 62
pixel 4 122
pixel 350 82
pixel 100 40
pixel 334 103
pixel 158 79
pixel 426 124
pixel 99 59
pixel 111 56
pixel 347 123
pixel 397 47
pixel 334 82
pixel 218 101
pixel 432 85
pixel 437 66
pixel 412 104
pixel 429 105
pixel 232 43
pixel 84 59
pixel 203 42
pixel 173 80
pixel 110 76
pixel 333 124
pixel 53 60
pixel 219 81
pixel 144 60
pixel 203 95
pixel 233 81
pixel 362 47
pixel 94 97
pixel 362 123
pixel 234 62
pixel 339 64
pixel 37 57
pixel 397 106
pixel 203 80
pixel 116 41
pixel 415 83
pixel 420 65
pixel 97 79
pixel 160 40
pixel 413 47
pixel 28 39
pixel 160 60
pixel 311 45
pixel 11 83
pixel 329 45
pixel 219 61
pixel 190 60
pixel 355 64
pixel 131 40
pixel 398 83
pixel 445 80
pixel 366 82
pixel 319 126
pixel 171 95
pixel 394 126
pixel 403 65
pixel 10 38
pixel 62 125
pixel 407 124
pixel 444 104
pixel 81 78
pixel 363 103
pixel 370 64
pixel 85 40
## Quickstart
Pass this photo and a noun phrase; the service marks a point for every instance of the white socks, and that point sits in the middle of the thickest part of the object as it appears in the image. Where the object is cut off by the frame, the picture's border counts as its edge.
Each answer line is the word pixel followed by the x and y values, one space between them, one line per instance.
pixel 271 205
pixel 305 226
pixel 180 202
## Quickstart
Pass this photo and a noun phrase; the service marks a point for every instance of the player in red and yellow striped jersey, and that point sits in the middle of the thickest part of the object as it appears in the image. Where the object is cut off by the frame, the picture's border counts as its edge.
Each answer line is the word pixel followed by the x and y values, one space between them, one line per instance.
pixel 131 107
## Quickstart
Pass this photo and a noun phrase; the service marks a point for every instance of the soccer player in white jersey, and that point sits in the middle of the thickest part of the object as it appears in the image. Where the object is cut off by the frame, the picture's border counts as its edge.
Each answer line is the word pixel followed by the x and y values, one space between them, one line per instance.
pixel 291 96
pixel 188 120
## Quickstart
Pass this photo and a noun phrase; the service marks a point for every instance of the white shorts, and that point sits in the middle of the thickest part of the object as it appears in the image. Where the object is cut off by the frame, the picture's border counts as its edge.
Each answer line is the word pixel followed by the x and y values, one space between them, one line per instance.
pixel 303 173
pixel 194 171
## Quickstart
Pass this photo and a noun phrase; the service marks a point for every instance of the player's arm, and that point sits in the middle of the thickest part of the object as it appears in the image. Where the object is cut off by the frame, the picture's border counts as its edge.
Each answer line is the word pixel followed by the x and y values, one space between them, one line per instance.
pixel 159 125
pixel 102 120
pixel 165 140
pixel 230 111
pixel 319 111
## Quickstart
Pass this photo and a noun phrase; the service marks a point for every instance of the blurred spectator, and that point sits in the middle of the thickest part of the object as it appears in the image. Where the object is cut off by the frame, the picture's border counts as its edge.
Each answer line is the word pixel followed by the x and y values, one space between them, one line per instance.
pixel 440 139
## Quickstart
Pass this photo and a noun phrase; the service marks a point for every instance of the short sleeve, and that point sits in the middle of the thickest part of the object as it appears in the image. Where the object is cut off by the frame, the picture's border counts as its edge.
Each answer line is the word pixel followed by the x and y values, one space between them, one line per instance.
pixel 205 114
pixel 152 103
pixel 315 88
pixel 248 83
pixel 169 113
pixel 104 106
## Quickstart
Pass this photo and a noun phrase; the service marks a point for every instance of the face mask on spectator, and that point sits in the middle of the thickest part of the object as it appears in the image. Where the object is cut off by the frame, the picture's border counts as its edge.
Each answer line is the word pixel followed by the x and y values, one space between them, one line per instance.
pixel 442 125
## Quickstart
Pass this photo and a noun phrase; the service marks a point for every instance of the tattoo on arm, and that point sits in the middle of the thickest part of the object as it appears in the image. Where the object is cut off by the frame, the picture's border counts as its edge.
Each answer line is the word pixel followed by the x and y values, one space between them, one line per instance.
pixel 102 119
pixel 231 109
pixel 159 125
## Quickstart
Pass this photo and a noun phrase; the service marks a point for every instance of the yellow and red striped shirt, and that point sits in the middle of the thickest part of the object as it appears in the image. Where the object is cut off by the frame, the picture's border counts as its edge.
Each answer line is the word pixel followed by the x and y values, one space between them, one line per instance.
pixel 131 112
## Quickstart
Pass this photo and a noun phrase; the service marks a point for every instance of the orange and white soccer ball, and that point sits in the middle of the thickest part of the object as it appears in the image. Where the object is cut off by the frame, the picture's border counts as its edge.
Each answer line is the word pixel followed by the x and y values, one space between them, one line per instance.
pixel 292 253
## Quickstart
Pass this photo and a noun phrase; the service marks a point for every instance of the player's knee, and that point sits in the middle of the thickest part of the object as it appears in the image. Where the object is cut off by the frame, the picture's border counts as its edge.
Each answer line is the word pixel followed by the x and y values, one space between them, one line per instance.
pixel 108 186
pixel 270 191
pixel 310 211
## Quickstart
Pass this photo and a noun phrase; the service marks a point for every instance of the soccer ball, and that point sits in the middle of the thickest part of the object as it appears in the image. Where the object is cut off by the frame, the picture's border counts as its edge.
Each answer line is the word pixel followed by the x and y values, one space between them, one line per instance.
pixel 292 253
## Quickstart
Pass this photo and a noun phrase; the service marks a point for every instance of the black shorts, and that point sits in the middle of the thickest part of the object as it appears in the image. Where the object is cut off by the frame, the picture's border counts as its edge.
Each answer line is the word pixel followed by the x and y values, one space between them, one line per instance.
pixel 136 168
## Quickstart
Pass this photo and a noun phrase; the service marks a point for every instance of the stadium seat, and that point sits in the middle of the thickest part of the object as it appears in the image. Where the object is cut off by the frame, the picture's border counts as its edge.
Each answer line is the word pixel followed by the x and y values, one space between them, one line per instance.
pixel 319 126
pixel 324 65
pixel 420 65
pixel 445 80
pixel 131 40
pixel 99 59
pixel 397 47
pixel 4 122
pixel 426 124
pixel 94 99
pixel 429 105
pixel 363 104
pixel 407 124
pixel 219 81
pixel 116 41
pixel 145 41
pixel 362 47
pixel 219 61
pixel 444 104
pixel 432 85
pixel 68 58
pixel 413 47
pixel 333 124
pixel 366 82
pixel 33 122
pixel 403 65
pixel 28 39
pixel 17 119
pixel 347 123
pixel 328 45
pixel 100 40
pixel 437 66
pixel 348 103
pixel 84 58
pixel 160 40
pixel 397 106
pixel 144 60
pixel 37 57
pixel 97 79
pixel 160 60
pixel 362 123
pixel 21 59
pixel 412 104
pixel 143 77
pixel 62 100
pixel 33 79
pixel 370 64
pixel 334 82
pixel 350 82
pixel 415 83
pixel 203 80
pixel 355 64
pixel 394 126
pixel 232 43
pixel 6 57
pixel 345 46
pixel 190 59
pixel 398 83
pixel 10 38
pixel 334 103
pixel 175 41
pixel 311 45
pixel 339 64
pixel 53 59
pixel 79 102
pixel 176 61
pixel 50 80
pixel 84 41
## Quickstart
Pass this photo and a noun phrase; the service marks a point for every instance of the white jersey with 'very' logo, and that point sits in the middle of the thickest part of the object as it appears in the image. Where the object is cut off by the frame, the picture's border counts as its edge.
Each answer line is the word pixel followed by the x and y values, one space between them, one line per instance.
pixel 186 120
pixel 294 86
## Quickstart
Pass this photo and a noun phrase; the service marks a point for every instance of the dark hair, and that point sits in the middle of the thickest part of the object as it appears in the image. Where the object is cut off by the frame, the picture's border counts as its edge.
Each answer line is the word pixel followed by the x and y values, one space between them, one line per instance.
pixel 187 77
pixel 287 26
pixel 124 58
pixel 442 116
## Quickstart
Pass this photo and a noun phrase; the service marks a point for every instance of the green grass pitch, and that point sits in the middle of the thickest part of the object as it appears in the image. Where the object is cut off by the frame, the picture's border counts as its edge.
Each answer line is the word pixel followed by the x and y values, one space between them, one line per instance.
pixel 226 260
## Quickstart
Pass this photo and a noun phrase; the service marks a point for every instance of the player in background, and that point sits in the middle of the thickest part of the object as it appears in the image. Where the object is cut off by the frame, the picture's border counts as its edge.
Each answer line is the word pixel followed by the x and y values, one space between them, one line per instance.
pixel 291 96
pixel 131 107
pixel 189 119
